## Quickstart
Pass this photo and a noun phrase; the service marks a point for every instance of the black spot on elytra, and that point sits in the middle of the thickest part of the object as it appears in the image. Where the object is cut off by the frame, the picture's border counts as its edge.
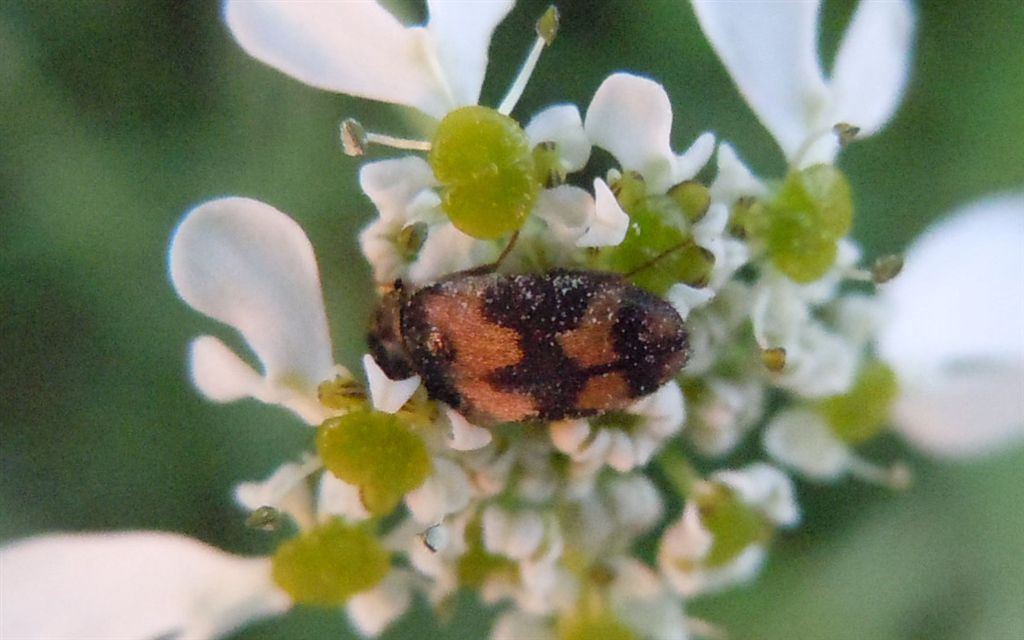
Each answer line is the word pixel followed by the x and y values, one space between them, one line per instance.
pixel 650 339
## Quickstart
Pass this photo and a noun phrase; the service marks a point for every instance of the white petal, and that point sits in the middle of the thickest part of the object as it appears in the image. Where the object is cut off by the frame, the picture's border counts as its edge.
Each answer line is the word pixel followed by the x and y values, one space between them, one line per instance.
pixel 956 333
pixel 388 395
pixel 356 48
pixel 339 498
pixel 766 488
pixel 635 502
pixel 464 435
pixel 567 210
pixel 685 298
pixel 690 162
pixel 446 491
pixel 285 490
pixel 664 411
pixel 734 180
pixel 609 224
pixel 562 125
pixel 446 250
pixel 250 266
pixel 873 64
pixel 220 374
pixel 372 611
pixel 631 117
pixel 513 534
pixel 569 435
pixel 130 585
pixel 461 33
pixel 800 439
pixel 621 454
pixel 393 185
pixel 771 51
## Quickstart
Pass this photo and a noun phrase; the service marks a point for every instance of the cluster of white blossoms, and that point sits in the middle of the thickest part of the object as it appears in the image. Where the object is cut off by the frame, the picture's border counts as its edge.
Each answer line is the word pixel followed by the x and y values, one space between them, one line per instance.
pixel 792 340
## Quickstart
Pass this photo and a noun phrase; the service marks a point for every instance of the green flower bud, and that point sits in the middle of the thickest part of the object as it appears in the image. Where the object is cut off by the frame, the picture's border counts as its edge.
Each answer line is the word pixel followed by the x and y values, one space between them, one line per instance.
pixel 487 172
pixel 330 564
pixel 693 198
pixel 376 452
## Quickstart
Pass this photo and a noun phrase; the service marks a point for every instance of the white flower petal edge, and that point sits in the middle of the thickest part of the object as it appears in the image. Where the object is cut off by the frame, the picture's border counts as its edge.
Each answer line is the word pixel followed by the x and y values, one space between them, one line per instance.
pixel 800 439
pixel 956 333
pixel 388 395
pixel 360 49
pixel 464 435
pixel 631 117
pixel 248 265
pixel 562 125
pixel 130 585
pixel 873 64
pixel 771 52
pixel 609 223
pixel 372 611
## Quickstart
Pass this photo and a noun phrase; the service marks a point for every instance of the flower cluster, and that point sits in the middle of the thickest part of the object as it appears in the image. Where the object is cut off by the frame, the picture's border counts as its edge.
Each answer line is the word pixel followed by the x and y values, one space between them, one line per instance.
pixel 790 337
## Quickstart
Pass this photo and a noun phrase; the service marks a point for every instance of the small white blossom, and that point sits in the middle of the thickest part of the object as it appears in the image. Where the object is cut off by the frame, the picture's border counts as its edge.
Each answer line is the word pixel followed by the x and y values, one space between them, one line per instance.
pixel 771 51
pixel 685 545
pixel 640 599
pixel 802 440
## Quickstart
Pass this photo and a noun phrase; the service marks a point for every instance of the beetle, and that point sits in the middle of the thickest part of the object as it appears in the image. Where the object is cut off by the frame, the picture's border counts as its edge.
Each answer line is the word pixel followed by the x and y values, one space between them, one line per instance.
pixel 544 346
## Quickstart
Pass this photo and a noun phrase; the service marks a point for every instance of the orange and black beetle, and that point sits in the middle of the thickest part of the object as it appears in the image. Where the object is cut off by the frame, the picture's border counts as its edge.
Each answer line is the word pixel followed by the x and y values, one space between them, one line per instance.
pixel 551 346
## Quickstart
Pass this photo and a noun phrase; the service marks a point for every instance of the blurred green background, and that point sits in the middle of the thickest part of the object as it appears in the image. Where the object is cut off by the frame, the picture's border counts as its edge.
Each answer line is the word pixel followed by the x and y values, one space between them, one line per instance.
pixel 115 118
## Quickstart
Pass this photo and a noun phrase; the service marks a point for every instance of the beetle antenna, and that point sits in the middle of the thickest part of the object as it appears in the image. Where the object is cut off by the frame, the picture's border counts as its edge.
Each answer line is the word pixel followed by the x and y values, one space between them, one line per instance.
pixel 653 261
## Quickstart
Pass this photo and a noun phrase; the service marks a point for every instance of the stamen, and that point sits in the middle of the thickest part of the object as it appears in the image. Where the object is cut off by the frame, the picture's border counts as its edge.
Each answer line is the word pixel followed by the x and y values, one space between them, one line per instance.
pixel 774 359
pixel 547 29
pixel 355 139
pixel 896 477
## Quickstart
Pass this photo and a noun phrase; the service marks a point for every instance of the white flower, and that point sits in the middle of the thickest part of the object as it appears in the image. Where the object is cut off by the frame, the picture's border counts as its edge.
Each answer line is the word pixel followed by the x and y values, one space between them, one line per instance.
pixel 802 440
pixel 631 118
pixel 373 610
pixel 250 266
pixel 956 333
pixel 820 360
pixel 642 602
pixel 360 49
pixel 285 490
pixel 659 416
pixel 771 51
pixel 445 491
pixel 725 412
pixel 134 585
pixel 685 546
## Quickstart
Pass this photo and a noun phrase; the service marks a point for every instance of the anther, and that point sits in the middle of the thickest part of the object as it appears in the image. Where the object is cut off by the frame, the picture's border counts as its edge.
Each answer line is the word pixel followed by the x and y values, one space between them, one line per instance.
pixel 355 140
pixel 546 28
pixel 886 268
pixel 774 359
pixel 265 518
pixel 845 132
